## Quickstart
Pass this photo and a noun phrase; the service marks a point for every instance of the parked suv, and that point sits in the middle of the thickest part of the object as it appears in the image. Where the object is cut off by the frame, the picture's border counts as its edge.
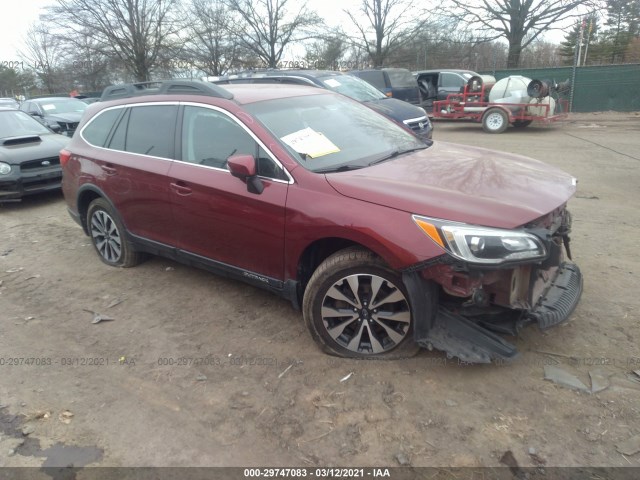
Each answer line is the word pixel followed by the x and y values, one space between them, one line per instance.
pixel 393 82
pixel 384 242
pixel 412 116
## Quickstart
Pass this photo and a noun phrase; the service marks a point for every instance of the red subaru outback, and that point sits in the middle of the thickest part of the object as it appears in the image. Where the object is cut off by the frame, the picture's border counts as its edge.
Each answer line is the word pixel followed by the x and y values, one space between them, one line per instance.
pixel 385 243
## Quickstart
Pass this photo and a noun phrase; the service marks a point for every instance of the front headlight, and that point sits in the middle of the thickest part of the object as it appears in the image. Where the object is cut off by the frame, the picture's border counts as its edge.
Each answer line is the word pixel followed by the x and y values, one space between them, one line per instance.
pixel 5 168
pixel 482 244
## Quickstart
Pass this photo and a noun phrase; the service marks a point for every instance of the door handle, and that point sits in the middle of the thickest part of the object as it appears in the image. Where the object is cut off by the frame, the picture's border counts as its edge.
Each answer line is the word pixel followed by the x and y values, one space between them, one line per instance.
pixel 108 169
pixel 180 189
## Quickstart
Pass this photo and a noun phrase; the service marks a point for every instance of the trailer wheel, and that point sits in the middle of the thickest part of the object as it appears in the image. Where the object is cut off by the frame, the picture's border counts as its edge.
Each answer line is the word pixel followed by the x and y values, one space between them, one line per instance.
pixel 495 120
pixel 522 123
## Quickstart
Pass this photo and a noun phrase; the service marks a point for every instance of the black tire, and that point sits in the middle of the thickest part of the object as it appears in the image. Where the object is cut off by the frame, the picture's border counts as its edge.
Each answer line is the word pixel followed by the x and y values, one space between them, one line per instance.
pixel 522 123
pixel 495 120
pixel 107 235
pixel 370 332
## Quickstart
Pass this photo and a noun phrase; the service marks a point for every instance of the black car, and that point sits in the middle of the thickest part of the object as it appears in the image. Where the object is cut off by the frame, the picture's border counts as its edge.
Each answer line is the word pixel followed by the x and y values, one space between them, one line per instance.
pixel 29 161
pixel 393 82
pixel 58 113
pixel 412 116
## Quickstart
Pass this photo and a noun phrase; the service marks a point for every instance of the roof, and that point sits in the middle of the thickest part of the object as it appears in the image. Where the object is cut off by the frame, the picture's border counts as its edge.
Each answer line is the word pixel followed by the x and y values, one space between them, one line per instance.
pixel 244 93
pixel 441 70
pixel 48 99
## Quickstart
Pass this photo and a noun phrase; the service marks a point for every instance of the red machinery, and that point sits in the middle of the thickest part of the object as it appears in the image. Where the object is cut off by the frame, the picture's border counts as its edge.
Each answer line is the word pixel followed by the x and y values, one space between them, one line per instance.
pixel 513 100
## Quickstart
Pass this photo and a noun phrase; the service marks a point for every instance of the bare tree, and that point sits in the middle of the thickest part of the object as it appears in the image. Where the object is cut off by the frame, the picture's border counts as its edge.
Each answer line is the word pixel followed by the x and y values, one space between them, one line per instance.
pixel 45 55
pixel 326 54
pixel 210 46
pixel 135 32
pixel 268 26
pixel 520 22
pixel 385 26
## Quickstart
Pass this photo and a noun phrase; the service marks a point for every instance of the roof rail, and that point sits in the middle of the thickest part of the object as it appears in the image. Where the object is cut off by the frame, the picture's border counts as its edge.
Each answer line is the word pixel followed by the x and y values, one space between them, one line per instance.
pixel 164 87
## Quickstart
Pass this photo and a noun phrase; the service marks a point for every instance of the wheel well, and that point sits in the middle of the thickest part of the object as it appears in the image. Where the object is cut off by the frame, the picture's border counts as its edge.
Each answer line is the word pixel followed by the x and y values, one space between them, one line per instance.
pixel 84 200
pixel 315 254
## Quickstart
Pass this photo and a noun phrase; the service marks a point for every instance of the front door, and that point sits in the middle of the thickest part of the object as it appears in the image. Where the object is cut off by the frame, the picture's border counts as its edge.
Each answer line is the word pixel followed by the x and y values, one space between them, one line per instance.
pixel 216 217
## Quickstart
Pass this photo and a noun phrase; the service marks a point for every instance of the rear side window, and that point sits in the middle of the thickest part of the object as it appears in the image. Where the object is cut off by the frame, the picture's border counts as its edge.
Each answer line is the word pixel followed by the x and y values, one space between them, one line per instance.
pixel 375 78
pixel 147 130
pixel 98 130
pixel 401 79
pixel 151 130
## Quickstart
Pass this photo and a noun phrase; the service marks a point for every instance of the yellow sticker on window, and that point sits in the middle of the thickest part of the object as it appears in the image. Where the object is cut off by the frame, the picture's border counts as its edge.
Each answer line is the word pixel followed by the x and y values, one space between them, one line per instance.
pixel 311 143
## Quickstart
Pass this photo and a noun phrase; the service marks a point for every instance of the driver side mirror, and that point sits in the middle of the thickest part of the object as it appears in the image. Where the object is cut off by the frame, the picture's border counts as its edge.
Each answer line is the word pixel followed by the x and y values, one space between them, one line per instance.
pixel 244 167
pixel 34 113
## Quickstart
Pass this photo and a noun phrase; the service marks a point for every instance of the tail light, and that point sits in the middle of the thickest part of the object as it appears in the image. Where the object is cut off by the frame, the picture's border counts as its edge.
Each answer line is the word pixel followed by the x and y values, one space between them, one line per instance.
pixel 65 155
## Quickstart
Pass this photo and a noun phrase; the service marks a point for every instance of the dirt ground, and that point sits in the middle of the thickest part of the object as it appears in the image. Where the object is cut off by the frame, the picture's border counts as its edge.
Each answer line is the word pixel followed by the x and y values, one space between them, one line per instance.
pixel 197 370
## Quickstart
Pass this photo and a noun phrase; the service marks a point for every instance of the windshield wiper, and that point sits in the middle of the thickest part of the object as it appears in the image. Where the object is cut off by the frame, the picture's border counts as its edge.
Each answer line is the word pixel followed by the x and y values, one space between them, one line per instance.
pixel 396 153
pixel 342 168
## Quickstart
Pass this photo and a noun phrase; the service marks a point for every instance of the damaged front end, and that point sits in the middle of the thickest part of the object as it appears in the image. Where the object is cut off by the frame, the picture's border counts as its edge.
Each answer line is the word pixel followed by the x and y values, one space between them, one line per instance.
pixel 491 282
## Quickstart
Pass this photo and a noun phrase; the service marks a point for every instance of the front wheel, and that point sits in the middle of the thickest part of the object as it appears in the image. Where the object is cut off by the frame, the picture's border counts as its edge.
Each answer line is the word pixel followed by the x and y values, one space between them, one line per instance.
pixel 355 306
pixel 107 235
pixel 495 120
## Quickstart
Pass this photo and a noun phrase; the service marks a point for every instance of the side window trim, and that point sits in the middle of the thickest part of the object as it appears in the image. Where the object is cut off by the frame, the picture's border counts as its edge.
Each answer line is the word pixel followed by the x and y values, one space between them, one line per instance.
pixel 247 130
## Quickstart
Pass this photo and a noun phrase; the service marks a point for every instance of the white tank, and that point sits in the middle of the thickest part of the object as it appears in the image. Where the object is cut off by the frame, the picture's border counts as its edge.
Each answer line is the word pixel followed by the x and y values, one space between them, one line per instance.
pixel 512 89
pixel 542 111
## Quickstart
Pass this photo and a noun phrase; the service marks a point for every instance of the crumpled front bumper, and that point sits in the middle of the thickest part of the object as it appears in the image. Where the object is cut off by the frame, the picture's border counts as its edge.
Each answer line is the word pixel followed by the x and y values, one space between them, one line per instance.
pixel 559 301
pixel 476 341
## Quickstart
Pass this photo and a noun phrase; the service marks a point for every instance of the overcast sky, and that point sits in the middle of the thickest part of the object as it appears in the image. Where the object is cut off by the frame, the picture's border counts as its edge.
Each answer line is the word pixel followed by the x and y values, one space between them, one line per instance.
pixel 15 23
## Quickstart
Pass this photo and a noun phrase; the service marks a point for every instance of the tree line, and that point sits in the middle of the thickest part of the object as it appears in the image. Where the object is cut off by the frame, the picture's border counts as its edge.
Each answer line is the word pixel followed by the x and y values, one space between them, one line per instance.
pixel 87 44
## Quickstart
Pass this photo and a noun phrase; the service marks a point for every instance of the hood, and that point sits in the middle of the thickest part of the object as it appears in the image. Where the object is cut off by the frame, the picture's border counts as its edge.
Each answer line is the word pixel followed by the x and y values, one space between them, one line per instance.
pixel 41 147
pixel 396 109
pixel 460 183
pixel 71 117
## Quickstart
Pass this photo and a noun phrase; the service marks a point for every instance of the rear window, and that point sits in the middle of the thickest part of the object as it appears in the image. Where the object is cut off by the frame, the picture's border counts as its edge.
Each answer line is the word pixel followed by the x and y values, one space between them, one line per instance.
pixel 401 79
pixel 98 130
pixel 375 78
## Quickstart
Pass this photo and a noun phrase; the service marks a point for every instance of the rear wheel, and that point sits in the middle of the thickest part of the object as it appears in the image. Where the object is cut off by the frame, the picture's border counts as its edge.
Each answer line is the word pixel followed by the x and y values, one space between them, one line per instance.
pixel 495 120
pixel 107 235
pixel 355 306
pixel 521 123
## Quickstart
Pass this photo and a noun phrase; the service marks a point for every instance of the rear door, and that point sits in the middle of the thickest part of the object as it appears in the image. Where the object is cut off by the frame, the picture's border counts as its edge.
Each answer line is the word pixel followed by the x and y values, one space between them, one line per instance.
pixel 133 169
pixel 217 218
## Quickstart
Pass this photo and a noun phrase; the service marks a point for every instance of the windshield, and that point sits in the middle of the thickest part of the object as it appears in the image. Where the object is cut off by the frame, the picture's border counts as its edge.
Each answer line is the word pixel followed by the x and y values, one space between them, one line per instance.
pixel 352 87
pixel 17 124
pixel 53 107
pixel 330 132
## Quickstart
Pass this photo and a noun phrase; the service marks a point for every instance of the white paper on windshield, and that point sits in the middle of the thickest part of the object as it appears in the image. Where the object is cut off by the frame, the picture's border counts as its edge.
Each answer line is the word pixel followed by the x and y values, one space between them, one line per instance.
pixel 332 82
pixel 308 141
pixel 48 106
